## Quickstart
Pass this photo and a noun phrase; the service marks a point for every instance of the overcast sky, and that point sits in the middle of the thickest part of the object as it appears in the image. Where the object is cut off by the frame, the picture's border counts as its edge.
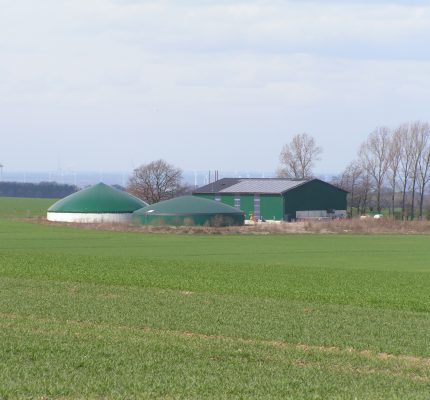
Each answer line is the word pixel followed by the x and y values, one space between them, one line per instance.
pixel 111 84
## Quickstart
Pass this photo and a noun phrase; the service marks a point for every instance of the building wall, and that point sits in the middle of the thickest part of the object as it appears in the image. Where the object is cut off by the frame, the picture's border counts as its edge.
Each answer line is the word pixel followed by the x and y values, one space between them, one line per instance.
pixel 271 207
pixel 228 199
pixel 247 204
pixel 315 195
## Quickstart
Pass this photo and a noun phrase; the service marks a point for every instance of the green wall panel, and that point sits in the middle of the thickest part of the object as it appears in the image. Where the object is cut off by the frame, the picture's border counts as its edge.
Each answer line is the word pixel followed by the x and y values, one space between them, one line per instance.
pixel 247 204
pixel 228 199
pixel 271 207
pixel 315 195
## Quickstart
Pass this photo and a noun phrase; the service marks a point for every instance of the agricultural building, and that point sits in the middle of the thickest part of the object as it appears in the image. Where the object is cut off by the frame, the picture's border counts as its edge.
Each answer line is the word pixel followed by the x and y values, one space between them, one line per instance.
pixel 278 199
pixel 98 203
pixel 189 210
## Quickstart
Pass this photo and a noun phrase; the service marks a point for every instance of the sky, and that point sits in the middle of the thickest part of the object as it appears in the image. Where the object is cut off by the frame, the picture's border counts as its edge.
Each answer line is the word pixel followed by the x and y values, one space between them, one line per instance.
pixel 108 85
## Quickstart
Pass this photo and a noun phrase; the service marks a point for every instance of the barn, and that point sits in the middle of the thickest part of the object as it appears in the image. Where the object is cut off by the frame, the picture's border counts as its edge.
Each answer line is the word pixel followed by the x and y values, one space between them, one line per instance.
pixel 278 199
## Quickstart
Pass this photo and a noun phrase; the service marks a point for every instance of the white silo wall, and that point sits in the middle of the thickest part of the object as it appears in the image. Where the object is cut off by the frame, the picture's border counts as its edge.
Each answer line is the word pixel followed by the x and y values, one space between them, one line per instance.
pixel 90 218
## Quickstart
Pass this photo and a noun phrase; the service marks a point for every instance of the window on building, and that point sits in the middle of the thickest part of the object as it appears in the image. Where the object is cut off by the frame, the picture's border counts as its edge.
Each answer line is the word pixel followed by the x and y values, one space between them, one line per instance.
pixel 217 197
pixel 237 201
pixel 256 206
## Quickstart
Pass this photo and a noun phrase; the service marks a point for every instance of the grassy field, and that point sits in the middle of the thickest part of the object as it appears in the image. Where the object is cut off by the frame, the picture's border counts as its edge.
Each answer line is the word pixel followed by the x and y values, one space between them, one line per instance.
pixel 19 207
pixel 94 314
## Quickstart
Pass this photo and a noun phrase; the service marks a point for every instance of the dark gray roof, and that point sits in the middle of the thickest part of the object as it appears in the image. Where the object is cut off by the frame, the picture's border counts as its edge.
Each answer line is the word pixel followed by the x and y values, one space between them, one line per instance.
pixel 251 185
pixel 256 185
pixel 217 186
pixel 270 186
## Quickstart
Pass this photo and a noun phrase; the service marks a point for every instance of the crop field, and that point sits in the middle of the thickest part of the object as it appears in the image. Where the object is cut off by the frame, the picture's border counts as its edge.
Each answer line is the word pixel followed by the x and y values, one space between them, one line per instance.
pixel 120 315
pixel 23 207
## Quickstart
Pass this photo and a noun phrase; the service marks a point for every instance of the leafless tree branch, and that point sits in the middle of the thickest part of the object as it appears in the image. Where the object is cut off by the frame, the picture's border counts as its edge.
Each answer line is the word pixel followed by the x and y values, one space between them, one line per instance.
pixel 156 181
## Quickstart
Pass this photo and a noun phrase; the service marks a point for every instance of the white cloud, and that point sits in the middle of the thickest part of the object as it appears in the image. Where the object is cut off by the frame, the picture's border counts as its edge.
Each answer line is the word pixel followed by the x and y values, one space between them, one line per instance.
pixel 266 63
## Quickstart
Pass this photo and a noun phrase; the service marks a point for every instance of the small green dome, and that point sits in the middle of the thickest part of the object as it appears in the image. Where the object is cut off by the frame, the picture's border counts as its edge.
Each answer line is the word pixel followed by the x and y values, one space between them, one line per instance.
pixel 100 198
pixel 191 209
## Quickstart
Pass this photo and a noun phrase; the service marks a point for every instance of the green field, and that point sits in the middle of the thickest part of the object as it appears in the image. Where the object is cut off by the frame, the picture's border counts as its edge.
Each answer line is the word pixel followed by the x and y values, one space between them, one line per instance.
pixel 97 314
pixel 19 207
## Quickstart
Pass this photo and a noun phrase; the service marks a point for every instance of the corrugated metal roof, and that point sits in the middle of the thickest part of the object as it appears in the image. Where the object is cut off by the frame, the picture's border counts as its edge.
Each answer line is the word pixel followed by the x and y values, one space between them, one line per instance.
pixel 270 186
pixel 256 185
pixel 217 186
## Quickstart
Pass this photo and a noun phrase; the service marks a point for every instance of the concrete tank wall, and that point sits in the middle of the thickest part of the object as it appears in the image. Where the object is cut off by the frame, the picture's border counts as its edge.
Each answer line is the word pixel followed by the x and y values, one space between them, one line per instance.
pixel 89 218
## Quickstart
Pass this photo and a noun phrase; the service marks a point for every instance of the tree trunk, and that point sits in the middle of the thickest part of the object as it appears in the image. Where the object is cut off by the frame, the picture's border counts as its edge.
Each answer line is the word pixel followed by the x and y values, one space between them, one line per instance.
pixel 404 201
pixel 421 203
pixel 378 199
pixel 413 197
pixel 364 205
pixel 352 201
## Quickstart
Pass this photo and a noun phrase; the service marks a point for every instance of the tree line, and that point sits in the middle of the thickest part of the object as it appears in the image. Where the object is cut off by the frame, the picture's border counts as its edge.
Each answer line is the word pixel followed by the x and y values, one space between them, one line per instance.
pixel 51 190
pixel 391 170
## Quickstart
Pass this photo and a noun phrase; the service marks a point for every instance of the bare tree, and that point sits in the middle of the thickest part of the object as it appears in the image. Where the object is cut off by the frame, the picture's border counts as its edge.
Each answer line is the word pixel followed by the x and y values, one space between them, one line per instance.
pixel 405 163
pixel 156 181
pixel 424 168
pixel 394 159
pixel 298 157
pixel 349 180
pixel 374 155
pixel 419 132
pixel 364 189
pixel 390 162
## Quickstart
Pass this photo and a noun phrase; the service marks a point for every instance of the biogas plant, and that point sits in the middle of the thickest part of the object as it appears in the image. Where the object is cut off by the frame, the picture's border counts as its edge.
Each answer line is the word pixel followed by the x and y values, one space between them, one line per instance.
pixel 100 203
pixel 225 202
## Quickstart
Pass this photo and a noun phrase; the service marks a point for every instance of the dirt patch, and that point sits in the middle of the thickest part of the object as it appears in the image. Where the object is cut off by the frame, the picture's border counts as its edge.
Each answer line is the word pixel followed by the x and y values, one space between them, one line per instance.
pixel 368 226
pixel 186 293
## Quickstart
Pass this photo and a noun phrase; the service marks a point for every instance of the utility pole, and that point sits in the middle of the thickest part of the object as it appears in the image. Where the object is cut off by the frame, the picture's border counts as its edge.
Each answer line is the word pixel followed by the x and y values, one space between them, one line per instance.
pixel 1 171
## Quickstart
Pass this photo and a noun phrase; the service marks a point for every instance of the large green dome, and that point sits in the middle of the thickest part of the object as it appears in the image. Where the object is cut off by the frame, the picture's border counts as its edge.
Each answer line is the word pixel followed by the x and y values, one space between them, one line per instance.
pixel 100 198
pixel 189 210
